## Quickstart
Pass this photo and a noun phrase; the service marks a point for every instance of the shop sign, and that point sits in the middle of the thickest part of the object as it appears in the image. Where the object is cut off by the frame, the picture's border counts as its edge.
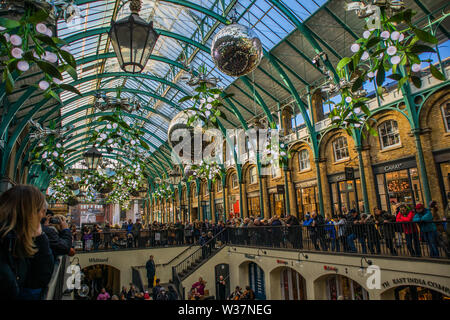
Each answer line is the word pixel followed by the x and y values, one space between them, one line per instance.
pixel 282 262
pixel 395 166
pixel 343 176
pixel 98 260
pixel 417 282
pixel 349 173
pixel 280 188
pixel 249 256
pixel 330 268
pixel 306 184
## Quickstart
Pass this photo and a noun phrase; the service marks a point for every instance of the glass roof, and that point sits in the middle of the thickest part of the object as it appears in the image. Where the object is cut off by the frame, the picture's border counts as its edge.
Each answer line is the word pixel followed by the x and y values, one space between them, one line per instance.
pixel 266 20
pixel 328 23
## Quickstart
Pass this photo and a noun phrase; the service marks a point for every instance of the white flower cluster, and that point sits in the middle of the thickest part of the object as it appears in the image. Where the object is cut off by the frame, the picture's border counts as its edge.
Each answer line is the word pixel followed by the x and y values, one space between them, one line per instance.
pixel 206 105
pixel 392 41
pixel 18 52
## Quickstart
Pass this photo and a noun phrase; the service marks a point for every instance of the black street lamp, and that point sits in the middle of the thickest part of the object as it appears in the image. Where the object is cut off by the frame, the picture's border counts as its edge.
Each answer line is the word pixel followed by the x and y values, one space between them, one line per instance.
pixel 133 40
pixel 92 157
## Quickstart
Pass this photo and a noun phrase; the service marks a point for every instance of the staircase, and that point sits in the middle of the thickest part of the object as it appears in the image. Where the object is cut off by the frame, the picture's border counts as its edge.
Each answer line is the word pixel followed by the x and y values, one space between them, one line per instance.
pixel 186 267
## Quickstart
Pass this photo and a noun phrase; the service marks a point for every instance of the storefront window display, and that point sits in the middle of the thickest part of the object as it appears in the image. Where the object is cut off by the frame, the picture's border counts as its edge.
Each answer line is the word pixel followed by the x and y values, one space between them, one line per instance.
pixel 254 209
pixel 418 293
pixel 346 194
pixel 292 285
pixel 307 200
pixel 277 204
pixel 398 182
pixel 343 288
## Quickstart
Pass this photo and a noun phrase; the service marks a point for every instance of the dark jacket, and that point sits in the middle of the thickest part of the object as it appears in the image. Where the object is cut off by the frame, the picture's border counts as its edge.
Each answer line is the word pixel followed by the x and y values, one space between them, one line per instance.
pixel 60 242
pixel 386 229
pixel 19 273
pixel 155 291
pixel 151 268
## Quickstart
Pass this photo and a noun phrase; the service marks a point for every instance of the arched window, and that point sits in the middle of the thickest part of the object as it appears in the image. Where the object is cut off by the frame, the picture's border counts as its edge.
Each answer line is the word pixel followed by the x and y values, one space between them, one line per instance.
pixel 253 175
pixel 446 115
pixel 303 160
pixel 340 148
pixel 389 135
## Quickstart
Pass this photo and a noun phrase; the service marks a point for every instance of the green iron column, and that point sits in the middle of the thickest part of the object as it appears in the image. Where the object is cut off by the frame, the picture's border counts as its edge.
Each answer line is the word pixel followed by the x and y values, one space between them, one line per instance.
pixel 286 191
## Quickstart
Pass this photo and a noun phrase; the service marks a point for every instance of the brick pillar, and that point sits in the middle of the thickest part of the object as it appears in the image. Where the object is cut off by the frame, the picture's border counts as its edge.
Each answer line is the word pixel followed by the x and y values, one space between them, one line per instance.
pixel 317 106
pixel 431 170
pixel 325 187
pixel 292 196
pixel 244 214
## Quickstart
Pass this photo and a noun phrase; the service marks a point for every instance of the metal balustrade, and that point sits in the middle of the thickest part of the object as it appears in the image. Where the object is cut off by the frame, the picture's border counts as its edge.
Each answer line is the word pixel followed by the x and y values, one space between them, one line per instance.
pixel 393 238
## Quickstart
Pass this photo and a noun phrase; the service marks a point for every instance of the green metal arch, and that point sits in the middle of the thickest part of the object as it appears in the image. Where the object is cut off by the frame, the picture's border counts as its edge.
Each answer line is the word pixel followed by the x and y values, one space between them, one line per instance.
pixel 77 143
pixel 80 152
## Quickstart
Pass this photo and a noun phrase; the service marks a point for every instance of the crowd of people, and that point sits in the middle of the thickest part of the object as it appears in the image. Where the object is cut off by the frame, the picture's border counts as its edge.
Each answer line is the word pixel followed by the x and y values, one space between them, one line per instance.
pixel 32 237
pixel 158 293
pixel 198 291
pixel 351 232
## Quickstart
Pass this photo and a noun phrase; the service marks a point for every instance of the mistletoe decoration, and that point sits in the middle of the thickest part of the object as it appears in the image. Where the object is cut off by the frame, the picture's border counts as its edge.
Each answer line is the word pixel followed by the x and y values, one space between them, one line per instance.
pixel 162 192
pixel 50 153
pixel 60 190
pixel 393 48
pixel 209 170
pixel 29 42
pixel 117 132
pixel 206 103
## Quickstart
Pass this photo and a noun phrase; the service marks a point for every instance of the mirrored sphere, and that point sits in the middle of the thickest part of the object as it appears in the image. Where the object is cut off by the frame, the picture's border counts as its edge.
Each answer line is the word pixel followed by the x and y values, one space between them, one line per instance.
pixel 236 50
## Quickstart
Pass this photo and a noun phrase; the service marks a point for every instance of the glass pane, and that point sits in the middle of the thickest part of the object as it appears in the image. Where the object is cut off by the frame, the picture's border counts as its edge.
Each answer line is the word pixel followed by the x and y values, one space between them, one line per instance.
pixel 399 188
pixel 382 191
pixel 416 186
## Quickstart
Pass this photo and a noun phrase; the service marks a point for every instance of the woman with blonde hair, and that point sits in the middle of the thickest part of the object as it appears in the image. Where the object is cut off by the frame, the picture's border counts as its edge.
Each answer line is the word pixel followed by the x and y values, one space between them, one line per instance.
pixel 26 261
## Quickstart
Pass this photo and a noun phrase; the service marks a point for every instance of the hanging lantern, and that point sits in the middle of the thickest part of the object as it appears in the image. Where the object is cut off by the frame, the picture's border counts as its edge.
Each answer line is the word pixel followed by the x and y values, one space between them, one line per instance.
pixel 92 157
pixel 133 40
pixel 236 50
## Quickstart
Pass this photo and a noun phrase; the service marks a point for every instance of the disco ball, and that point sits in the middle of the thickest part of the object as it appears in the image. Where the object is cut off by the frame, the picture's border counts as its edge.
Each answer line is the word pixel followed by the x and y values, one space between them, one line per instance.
pixel 236 50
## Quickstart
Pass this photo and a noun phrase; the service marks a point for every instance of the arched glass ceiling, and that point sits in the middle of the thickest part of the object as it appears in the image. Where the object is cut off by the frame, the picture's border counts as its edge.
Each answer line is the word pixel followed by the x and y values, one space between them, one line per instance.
pixel 261 15
pixel 277 22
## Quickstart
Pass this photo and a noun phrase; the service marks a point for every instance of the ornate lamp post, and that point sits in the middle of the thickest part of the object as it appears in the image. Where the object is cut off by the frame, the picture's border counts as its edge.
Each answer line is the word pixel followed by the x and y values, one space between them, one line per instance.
pixel 133 40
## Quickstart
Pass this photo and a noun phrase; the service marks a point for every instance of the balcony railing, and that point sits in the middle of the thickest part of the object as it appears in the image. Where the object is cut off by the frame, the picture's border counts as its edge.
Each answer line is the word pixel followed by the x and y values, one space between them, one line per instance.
pixel 393 238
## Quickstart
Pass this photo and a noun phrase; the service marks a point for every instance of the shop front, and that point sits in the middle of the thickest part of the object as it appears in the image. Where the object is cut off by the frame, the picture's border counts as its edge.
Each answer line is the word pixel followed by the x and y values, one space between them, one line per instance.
pixel 293 285
pixel 307 197
pixel 397 182
pixel 346 192
pixel 253 204
pixel 277 202
pixel 442 159
pixel 206 209
pixel 256 280
pixel 218 210
pixel 233 204
pixel 342 288
pixel 417 293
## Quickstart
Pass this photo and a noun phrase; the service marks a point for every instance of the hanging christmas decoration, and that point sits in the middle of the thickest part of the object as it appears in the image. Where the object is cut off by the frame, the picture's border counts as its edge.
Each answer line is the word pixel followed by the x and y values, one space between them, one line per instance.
pixel 30 42
pixel 236 50
pixel 392 46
